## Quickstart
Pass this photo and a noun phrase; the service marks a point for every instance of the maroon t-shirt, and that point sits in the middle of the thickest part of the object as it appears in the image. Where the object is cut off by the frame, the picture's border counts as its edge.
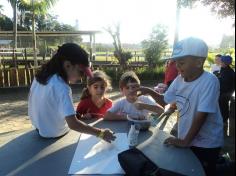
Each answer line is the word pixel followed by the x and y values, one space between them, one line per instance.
pixel 171 72
pixel 87 106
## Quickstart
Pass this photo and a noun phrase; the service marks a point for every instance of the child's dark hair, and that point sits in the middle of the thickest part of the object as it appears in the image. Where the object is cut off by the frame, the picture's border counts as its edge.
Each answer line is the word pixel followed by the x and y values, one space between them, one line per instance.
pixel 128 77
pixel 98 75
pixel 67 52
pixel 218 55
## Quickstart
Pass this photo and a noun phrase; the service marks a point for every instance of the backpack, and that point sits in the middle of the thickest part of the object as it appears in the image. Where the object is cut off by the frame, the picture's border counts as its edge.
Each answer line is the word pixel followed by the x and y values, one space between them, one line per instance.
pixel 135 163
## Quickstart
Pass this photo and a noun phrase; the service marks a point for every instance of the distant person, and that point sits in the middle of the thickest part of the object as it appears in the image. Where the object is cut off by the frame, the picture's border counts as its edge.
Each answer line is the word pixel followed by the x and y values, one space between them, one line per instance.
pixel 215 68
pixel 93 103
pixel 196 94
pixel 226 77
pixel 132 105
pixel 171 73
pixel 51 107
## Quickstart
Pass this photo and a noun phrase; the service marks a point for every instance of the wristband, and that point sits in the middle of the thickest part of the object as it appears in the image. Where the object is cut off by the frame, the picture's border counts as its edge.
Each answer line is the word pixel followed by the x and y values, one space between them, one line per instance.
pixel 101 134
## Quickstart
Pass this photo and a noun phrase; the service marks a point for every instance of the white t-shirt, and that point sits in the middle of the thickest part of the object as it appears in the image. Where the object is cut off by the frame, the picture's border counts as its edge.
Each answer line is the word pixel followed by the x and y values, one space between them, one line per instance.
pixel 200 95
pixel 49 105
pixel 122 106
pixel 214 68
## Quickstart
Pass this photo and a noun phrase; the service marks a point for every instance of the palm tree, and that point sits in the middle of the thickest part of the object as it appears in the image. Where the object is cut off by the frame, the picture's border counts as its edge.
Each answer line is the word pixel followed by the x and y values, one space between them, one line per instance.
pixel 36 7
pixel 1 9
pixel 14 4
pixel 179 5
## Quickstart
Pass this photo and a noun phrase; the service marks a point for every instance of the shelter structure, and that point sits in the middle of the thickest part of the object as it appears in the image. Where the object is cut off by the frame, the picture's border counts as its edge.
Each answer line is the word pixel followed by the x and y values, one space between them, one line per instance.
pixel 18 72
pixel 91 35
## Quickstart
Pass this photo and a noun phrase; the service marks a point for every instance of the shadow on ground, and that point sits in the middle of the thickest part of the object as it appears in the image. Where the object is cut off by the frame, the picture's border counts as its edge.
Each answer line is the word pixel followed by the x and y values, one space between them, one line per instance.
pixel 30 154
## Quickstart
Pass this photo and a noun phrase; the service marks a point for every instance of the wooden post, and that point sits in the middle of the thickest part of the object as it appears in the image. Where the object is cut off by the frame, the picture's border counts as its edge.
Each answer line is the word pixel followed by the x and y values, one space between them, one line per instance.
pixel 13 75
pixel 6 78
pixel 94 48
pixel 1 78
pixel 28 76
pixel 90 48
pixel 22 76
pixel 106 56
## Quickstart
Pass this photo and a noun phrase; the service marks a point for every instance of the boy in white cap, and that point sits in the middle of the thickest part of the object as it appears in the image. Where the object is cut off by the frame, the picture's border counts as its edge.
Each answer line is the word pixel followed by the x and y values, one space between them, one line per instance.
pixel 196 94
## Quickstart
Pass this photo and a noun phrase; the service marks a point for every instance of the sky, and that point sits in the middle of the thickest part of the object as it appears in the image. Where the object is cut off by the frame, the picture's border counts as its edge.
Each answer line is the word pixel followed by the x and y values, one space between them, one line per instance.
pixel 137 18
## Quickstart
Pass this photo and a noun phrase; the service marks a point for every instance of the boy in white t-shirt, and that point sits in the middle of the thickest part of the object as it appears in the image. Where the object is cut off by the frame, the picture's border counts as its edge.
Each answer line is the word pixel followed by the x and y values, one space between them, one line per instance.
pixel 132 105
pixel 215 68
pixel 196 94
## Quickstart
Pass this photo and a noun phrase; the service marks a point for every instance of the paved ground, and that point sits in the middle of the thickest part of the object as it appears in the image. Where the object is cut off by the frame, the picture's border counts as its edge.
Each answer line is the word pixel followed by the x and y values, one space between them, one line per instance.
pixel 14 120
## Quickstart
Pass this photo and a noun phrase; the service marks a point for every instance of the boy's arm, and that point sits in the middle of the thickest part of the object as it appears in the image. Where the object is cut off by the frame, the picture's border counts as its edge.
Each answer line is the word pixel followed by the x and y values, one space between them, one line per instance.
pixel 156 96
pixel 114 116
pixel 193 131
pixel 154 108
pixel 195 127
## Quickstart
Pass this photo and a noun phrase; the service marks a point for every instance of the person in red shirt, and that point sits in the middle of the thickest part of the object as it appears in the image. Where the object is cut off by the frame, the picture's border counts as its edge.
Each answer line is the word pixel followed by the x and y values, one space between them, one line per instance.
pixel 171 72
pixel 93 103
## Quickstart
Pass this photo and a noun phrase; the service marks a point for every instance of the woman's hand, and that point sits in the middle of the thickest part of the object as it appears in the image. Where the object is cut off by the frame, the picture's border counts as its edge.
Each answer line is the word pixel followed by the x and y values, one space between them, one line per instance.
pixel 107 135
pixel 176 142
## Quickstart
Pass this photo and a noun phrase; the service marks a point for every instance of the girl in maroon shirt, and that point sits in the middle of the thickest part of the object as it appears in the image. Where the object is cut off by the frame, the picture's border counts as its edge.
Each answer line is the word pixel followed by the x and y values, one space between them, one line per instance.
pixel 93 103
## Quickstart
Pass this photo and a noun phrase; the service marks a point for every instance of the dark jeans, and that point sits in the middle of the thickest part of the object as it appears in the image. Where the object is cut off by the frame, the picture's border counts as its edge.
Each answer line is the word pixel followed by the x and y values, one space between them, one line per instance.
pixel 208 158
pixel 224 106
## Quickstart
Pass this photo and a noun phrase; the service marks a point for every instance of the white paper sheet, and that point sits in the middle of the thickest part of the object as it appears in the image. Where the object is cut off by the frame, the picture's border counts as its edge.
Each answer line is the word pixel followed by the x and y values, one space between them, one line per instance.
pixel 95 156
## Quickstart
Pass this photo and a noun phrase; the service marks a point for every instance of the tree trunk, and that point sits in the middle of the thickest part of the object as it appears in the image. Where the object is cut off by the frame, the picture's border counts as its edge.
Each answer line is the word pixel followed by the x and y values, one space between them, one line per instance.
pixel 176 37
pixel 34 40
pixel 15 30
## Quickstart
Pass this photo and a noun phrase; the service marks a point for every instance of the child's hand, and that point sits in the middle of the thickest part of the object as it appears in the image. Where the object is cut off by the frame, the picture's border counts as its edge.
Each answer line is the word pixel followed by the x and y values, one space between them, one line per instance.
pixel 160 88
pixel 175 142
pixel 138 105
pixel 136 117
pixel 143 90
pixel 169 111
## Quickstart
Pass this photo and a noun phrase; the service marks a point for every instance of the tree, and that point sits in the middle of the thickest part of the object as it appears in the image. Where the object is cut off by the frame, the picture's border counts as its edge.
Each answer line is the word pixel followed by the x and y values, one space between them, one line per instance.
pixel 227 42
pixel 1 9
pixel 14 4
pixel 223 8
pixel 155 46
pixel 35 7
pixel 6 24
pixel 121 55
pixel 180 4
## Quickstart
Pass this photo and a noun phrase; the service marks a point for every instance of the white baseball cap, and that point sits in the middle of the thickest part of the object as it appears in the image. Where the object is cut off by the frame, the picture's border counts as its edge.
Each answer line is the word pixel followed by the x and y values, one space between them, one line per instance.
pixel 190 47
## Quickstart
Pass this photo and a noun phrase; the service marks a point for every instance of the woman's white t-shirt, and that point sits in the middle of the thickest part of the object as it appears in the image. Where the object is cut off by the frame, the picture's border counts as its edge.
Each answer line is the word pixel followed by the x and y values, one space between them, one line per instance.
pixel 49 105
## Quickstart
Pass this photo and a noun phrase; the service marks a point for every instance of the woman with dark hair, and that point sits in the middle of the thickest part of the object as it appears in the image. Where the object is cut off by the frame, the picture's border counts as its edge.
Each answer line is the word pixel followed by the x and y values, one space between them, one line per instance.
pixel 51 108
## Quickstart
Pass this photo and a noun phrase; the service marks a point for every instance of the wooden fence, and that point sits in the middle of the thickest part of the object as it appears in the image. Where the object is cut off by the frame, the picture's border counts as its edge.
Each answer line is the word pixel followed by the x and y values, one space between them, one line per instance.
pixel 19 70
pixel 16 77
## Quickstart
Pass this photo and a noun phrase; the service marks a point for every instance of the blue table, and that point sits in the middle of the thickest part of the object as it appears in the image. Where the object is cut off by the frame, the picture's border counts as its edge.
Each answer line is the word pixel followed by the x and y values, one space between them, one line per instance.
pixel 28 154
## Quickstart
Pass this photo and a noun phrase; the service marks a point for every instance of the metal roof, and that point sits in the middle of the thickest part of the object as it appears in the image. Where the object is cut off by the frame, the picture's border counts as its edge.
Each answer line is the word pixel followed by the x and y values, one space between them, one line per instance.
pixel 5 42
pixel 48 33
